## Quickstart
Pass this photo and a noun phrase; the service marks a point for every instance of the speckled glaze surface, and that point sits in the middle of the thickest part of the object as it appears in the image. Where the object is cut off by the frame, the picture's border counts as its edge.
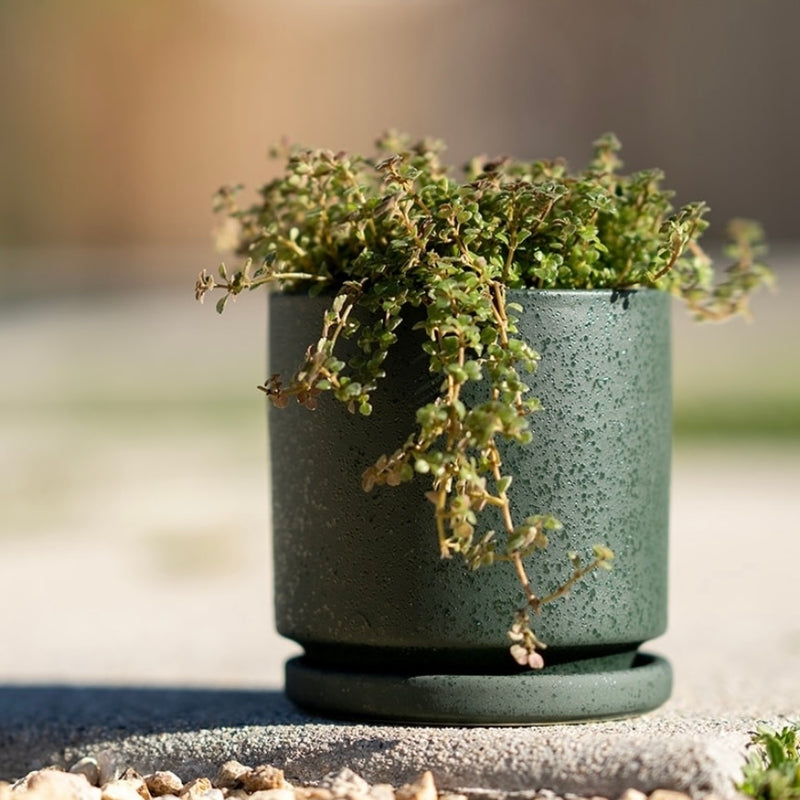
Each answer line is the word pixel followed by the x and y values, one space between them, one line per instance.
pixel 529 698
pixel 358 580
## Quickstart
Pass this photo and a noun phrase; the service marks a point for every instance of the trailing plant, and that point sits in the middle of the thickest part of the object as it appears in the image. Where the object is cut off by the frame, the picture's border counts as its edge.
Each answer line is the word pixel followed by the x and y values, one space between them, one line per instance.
pixel 389 235
pixel 772 771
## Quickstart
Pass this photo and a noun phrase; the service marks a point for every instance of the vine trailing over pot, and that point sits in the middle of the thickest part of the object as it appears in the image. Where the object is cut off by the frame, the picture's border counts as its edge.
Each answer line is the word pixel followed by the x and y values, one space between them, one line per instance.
pixel 398 236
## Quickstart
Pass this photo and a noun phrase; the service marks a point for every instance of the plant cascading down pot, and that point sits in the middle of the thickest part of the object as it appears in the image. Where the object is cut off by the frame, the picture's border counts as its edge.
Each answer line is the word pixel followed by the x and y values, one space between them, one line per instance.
pixel 392 631
pixel 416 446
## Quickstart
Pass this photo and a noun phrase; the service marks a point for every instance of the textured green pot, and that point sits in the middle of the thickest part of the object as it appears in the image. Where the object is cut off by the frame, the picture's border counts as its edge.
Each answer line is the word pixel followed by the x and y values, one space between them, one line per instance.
pixel 391 631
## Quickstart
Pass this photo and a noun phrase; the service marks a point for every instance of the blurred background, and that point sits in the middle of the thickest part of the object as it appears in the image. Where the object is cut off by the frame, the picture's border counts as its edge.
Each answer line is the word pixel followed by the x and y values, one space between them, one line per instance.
pixel 132 442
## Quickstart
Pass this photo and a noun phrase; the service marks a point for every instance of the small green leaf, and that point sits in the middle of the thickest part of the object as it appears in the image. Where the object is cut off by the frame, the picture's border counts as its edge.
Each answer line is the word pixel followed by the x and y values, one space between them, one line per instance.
pixel 503 484
pixel 603 553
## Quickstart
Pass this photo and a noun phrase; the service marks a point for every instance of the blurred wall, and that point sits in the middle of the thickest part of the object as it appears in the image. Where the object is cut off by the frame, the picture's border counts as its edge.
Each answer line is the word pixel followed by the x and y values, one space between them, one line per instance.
pixel 121 118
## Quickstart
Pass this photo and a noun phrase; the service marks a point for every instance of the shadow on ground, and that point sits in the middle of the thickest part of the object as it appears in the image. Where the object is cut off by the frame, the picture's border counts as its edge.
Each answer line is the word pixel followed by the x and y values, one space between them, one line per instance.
pixel 39 724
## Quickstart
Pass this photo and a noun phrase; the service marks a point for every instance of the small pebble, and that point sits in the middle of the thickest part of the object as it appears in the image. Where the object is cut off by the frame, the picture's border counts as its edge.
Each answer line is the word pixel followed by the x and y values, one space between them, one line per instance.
pixel 382 791
pixel 312 793
pixel 423 788
pixel 133 779
pixel 22 783
pixel 633 794
pixel 264 777
pixel 230 774
pixel 668 794
pixel 53 783
pixel 235 794
pixel 272 794
pixel 163 783
pixel 345 784
pixel 89 768
pixel 132 788
pixel 195 789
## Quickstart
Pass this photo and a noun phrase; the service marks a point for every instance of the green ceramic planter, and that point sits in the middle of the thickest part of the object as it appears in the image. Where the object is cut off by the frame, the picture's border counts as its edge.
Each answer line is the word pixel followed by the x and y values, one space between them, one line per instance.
pixel 392 632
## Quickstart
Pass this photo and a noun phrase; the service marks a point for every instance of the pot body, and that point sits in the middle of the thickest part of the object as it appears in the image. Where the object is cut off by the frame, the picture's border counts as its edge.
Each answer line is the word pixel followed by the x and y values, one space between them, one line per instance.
pixel 358 578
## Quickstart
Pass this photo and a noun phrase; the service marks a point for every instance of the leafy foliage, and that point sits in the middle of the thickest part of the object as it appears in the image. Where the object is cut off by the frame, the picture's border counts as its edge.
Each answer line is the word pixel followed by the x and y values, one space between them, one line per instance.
pixel 773 770
pixel 398 232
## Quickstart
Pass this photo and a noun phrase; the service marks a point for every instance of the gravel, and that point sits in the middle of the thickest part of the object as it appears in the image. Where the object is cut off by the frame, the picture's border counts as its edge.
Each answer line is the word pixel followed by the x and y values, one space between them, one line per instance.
pixel 232 779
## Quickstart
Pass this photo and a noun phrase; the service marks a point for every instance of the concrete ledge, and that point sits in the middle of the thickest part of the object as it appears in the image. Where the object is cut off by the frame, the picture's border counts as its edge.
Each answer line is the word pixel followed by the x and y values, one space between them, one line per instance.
pixel 192 731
